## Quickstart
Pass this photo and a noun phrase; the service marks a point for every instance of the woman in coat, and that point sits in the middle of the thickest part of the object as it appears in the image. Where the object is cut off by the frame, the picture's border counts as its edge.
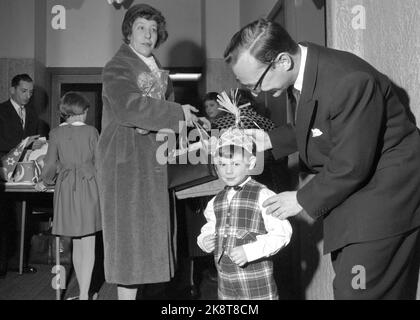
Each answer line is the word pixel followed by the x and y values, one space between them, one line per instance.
pixel 137 103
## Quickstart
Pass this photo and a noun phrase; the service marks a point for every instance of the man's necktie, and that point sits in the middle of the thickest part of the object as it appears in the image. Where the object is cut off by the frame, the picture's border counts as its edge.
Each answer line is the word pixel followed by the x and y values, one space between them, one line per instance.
pixel 22 116
pixel 294 97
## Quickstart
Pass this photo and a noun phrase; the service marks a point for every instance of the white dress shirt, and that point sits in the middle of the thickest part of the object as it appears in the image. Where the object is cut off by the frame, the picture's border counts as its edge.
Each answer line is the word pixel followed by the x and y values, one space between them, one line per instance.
pixel 278 233
pixel 298 85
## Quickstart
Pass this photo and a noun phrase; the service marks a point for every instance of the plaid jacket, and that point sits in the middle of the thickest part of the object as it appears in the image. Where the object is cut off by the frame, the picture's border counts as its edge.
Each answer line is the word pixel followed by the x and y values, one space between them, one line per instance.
pixel 240 222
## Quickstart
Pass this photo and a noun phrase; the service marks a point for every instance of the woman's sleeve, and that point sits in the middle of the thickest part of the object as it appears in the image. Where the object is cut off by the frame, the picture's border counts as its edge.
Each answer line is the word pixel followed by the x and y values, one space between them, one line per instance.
pixel 49 170
pixel 94 142
pixel 131 107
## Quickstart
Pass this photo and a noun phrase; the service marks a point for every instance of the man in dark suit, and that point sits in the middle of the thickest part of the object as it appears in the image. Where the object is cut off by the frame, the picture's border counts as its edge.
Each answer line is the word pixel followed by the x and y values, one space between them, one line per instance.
pixel 17 121
pixel 352 131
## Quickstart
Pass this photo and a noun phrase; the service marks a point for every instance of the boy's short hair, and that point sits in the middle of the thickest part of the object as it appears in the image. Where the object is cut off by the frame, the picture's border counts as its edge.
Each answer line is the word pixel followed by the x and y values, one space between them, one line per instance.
pixel 72 104
pixel 229 151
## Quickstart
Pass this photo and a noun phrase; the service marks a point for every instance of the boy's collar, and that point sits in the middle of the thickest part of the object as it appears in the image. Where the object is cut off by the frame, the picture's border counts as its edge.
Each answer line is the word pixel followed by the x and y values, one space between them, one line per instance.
pixel 239 186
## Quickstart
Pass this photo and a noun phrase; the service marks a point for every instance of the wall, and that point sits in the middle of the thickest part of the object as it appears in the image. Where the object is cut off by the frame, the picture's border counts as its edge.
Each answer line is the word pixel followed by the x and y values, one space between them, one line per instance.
pixel 93 33
pixel 17 28
pixel 220 21
pixel 252 10
pixel 23 46
pixel 390 40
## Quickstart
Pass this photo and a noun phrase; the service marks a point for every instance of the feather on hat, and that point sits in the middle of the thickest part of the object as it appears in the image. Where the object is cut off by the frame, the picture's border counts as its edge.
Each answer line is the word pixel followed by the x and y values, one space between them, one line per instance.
pixel 235 135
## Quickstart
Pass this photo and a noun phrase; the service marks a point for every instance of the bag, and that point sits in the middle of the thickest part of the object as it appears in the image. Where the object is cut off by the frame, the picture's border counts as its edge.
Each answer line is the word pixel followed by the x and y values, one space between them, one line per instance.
pixel 186 175
pixel 43 249
pixel 9 162
pixel 191 165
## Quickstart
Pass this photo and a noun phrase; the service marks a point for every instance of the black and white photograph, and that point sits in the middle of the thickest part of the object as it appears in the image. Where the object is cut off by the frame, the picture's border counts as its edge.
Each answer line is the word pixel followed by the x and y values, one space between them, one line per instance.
pixel 205 157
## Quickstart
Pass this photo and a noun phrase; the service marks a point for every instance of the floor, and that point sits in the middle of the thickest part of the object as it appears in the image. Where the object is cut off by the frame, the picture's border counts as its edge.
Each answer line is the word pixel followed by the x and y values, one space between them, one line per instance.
pixel 38 286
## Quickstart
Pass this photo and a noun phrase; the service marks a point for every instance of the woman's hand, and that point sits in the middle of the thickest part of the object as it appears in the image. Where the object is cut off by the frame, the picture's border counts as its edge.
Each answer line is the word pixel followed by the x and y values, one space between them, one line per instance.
pixel 142 131
pixel 189 115
pixel 205 123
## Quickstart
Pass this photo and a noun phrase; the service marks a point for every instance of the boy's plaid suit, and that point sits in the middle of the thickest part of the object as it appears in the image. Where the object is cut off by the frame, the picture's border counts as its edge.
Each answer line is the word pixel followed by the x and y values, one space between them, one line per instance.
pixel 239 223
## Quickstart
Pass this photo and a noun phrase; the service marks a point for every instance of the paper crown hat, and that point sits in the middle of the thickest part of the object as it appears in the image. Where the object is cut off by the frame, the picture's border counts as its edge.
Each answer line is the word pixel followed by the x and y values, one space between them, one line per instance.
pixel 235 135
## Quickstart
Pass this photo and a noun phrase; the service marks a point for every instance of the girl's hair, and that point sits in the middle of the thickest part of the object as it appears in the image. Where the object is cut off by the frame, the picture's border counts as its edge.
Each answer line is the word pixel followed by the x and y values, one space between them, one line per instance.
pixel 149 13
pixel 72 104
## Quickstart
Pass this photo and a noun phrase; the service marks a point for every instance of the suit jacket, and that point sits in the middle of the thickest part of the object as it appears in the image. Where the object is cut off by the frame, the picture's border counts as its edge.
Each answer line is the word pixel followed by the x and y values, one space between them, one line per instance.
pixel 11 131
pixel 355 135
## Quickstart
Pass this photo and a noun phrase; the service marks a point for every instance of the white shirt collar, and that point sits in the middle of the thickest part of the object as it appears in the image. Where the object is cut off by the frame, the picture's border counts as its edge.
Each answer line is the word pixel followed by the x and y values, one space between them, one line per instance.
pixel 17 106
pixel 76 124
pixel 149 61
pixel 299 80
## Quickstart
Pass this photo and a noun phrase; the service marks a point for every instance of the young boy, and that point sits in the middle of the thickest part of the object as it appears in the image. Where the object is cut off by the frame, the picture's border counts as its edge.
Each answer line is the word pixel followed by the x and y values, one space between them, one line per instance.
pixel 238 230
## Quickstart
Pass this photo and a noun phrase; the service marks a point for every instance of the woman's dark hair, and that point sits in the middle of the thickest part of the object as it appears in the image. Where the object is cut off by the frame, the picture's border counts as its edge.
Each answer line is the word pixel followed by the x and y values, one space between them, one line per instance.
pixel 149 13
pixel 210 96
pixel 72 104
pixel 263 39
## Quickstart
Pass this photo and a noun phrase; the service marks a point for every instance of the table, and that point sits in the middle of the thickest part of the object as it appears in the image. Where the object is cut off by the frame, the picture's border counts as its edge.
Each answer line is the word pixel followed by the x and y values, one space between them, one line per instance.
pixel 206 189
pixel 21 188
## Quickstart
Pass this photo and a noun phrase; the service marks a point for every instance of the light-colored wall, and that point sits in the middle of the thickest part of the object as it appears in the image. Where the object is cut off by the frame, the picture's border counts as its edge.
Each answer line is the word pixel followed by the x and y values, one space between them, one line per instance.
pixel 251 10
pixel 17 29
pixel 305 20
pixel 221 19
pixel 93 33
pixel 390 41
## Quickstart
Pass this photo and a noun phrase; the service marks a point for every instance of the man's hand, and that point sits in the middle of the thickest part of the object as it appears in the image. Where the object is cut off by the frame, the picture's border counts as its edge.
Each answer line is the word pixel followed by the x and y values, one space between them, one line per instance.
pixel 261 138
pixel 238 256
pixel 283 205
pixel 38 144
pixel 209 242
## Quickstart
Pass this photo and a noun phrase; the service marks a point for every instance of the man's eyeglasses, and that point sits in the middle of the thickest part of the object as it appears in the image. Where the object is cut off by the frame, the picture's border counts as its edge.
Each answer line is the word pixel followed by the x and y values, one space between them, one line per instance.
pixel 257 86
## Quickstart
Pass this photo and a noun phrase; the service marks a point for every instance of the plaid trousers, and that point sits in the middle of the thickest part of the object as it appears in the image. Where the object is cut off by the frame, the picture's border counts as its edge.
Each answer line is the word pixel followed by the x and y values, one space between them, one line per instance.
pixel 255 281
